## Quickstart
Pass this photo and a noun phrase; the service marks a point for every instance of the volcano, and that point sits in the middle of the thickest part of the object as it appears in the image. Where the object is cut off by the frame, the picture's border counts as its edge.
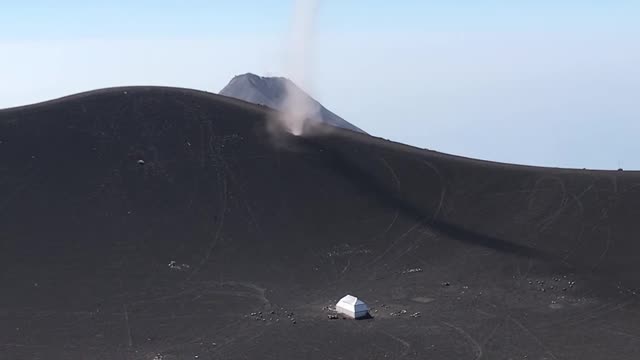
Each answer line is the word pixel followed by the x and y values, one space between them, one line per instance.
pixel 273 92
pixel 164 223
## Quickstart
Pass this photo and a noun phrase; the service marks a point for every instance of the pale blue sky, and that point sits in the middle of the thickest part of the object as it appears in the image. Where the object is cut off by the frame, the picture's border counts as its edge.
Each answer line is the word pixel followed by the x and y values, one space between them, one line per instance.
pixel 553 83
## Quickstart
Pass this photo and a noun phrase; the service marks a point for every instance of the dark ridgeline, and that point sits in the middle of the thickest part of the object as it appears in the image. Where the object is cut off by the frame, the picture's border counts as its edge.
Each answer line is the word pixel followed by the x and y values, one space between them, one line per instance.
pixel 159 223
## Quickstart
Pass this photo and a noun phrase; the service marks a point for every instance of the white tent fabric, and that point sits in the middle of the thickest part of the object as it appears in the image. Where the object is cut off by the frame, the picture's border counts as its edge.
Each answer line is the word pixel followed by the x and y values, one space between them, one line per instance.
pixel 352 307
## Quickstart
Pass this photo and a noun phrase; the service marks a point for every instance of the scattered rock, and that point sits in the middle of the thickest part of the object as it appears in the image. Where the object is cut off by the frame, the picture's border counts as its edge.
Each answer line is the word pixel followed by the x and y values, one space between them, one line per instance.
pixel 446 283
pixel 398 313
pixel 173 265
pixel 330 308
pixel 414 270
pixel 140 162
pixel 332 317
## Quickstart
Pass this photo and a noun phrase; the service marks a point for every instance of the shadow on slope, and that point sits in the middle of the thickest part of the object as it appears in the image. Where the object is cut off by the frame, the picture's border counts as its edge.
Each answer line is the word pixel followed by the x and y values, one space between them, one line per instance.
pixel 370 183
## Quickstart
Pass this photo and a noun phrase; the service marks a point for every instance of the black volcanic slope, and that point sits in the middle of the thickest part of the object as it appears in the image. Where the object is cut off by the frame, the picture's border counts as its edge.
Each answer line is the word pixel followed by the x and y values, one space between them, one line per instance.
pixel 500 261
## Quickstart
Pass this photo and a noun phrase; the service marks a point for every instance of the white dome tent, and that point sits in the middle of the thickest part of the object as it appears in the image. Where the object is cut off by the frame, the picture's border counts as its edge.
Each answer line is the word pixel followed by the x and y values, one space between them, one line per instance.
pixel 352 307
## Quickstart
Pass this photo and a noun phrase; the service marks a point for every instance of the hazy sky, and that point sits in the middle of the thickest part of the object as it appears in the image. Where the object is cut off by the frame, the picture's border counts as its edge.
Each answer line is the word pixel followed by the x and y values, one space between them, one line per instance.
pixel 553 83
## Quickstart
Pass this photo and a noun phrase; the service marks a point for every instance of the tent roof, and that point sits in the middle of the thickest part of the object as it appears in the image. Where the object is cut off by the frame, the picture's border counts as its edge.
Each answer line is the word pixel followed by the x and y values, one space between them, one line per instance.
pixel 351 300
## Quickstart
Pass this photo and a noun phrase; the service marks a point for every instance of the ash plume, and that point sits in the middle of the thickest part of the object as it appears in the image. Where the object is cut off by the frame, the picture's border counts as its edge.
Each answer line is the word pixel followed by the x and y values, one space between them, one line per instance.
pixel 297 109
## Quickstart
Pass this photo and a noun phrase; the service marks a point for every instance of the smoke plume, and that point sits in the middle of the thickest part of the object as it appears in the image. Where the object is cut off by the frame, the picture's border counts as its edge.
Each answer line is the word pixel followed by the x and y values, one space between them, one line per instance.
pixel 297 109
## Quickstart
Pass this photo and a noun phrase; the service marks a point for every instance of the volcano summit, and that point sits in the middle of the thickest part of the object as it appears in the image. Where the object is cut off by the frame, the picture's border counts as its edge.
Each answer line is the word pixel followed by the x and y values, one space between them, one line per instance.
pixel 277 93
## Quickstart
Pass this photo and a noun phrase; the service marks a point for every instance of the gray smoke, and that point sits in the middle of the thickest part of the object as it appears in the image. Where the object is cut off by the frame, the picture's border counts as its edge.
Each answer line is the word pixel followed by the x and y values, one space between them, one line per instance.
pixel 297 109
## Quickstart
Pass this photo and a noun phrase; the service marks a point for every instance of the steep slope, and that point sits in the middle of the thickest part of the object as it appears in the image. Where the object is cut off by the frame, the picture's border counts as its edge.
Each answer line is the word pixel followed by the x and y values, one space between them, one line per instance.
pixel 272 92
pixel 227 242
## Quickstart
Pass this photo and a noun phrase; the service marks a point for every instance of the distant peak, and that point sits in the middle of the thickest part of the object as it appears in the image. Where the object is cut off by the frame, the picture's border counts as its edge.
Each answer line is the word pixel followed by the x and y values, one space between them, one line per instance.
pixel 248 76
pixel 272 91
pixel 265 79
